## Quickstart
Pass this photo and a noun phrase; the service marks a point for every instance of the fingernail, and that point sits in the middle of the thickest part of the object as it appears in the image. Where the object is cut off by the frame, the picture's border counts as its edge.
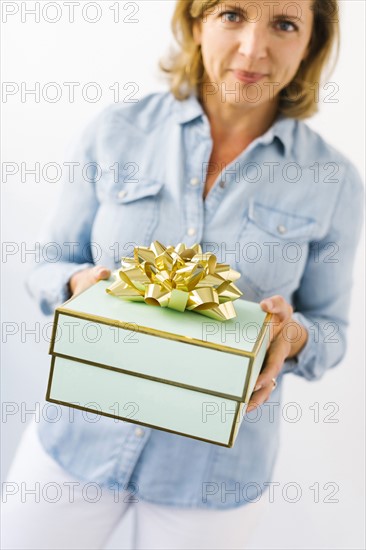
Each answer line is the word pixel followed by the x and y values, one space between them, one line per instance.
pixel 258 387
pixel 268 303
pixel 250 408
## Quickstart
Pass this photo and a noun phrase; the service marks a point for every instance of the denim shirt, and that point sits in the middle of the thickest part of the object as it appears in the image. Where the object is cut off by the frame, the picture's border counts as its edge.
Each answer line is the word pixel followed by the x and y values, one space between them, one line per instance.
pixel 286 213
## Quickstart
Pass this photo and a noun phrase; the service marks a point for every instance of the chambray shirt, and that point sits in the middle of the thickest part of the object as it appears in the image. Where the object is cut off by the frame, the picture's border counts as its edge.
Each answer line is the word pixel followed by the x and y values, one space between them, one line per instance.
pixel 286 213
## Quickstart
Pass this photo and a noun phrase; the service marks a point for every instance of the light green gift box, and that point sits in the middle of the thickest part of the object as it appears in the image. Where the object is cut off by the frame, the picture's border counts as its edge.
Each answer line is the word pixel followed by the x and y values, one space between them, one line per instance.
pixel 176 371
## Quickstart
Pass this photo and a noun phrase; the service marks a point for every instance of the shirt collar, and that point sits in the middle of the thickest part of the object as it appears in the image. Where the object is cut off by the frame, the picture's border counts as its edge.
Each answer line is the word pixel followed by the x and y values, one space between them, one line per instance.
pixel 283 127
pixel 189 109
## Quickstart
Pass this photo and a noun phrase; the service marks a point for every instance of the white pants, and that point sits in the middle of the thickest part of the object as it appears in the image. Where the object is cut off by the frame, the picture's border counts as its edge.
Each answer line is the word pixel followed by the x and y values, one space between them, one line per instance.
pixel 43 507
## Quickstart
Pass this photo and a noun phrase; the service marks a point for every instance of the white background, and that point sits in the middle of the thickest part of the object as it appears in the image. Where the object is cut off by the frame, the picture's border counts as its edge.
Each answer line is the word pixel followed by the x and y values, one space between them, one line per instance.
pixel 107 52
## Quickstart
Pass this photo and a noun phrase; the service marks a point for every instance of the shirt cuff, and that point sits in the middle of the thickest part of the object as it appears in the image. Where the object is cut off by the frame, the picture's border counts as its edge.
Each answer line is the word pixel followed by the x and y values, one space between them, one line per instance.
pixel 51 287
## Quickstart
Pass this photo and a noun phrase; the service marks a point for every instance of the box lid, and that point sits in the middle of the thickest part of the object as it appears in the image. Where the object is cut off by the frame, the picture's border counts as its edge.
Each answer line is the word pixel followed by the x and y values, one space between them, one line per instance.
pixel 241 335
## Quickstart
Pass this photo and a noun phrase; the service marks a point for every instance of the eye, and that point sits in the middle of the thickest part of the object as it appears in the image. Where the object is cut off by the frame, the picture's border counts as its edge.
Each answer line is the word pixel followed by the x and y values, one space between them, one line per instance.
pixel 286 26
pixel 230 17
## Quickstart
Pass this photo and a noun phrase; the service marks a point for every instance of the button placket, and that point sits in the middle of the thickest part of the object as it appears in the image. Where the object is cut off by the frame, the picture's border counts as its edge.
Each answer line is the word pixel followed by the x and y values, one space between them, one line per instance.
pixel 122 194
pixel 133 446
pixel 139 432
pixel 193 200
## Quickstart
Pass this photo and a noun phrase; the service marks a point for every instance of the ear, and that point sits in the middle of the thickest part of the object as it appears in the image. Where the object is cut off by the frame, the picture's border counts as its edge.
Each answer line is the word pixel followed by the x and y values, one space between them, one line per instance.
pixel 197 31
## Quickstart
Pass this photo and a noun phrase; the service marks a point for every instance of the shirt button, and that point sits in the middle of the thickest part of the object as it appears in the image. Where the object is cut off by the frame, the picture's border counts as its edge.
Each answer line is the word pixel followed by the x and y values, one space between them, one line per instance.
pixel 191 231
pixel 122 194
pixel 195 181
pixel 222 184
pixel 281 229
pixel 139 432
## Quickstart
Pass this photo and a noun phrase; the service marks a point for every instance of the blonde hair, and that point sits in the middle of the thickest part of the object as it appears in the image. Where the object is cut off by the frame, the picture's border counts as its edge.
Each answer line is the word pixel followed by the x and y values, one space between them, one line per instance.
pixel 185 70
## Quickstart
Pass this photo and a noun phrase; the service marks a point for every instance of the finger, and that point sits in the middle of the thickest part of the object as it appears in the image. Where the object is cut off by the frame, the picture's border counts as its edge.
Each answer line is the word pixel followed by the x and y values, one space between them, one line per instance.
pixel 275 359
pixel 278 306
pixel 100 273
pixel 281 312
pixel 80 287
pixel 259 397
pixel 91 277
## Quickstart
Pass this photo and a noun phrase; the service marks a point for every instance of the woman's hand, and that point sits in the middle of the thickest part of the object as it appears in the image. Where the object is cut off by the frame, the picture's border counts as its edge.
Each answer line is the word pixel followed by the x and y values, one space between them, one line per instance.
pixel 81 280
pixel 287 338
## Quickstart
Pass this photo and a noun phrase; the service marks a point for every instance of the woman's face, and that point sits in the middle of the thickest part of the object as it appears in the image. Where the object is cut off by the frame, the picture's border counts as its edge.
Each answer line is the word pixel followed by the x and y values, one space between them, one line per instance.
pixel 253 48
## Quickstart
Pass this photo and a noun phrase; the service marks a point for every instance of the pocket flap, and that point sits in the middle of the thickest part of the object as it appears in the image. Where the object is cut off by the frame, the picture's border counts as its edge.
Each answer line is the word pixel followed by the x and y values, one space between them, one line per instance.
pixel 130 192
pixel 124 192
pixel 281 224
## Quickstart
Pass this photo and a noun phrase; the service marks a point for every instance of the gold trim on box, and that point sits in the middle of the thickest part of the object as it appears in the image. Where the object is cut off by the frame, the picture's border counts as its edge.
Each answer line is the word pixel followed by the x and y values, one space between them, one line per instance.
pixel 236 423
pixel 93 411
pixel 147 377
pixel 162 334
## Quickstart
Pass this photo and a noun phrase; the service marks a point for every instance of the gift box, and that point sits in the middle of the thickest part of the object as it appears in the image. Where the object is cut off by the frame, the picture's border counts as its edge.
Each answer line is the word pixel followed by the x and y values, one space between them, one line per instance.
pixel 177 371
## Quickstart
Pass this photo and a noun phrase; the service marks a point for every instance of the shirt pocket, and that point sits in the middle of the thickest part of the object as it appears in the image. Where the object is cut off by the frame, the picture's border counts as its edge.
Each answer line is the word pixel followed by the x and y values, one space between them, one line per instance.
pixel 273 248
pixel 130 209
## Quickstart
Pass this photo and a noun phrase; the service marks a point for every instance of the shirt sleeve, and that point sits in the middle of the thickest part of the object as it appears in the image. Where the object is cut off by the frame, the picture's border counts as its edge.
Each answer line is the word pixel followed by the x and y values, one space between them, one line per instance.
pixel 322 302
pixel 64 241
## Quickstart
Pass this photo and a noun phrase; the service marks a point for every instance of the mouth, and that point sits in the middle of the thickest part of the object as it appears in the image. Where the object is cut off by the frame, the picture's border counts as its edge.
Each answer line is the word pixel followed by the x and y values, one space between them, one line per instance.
pixel 248 77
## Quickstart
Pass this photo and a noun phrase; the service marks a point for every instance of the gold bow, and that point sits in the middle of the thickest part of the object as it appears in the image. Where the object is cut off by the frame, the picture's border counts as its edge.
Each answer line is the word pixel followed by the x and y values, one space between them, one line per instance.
pixel 179 278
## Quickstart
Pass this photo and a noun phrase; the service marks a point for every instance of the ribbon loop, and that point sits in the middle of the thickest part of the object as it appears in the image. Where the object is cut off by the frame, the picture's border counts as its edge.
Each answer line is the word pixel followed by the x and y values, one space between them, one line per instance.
pixel 178 278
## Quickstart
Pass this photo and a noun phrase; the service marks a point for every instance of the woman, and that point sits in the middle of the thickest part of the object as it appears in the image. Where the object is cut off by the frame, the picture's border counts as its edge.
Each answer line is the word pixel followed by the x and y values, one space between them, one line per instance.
pixel 222 159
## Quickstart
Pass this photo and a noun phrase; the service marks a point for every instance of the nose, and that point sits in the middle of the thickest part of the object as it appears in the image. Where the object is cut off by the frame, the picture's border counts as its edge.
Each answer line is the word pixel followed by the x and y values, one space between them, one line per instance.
pixel 253 41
